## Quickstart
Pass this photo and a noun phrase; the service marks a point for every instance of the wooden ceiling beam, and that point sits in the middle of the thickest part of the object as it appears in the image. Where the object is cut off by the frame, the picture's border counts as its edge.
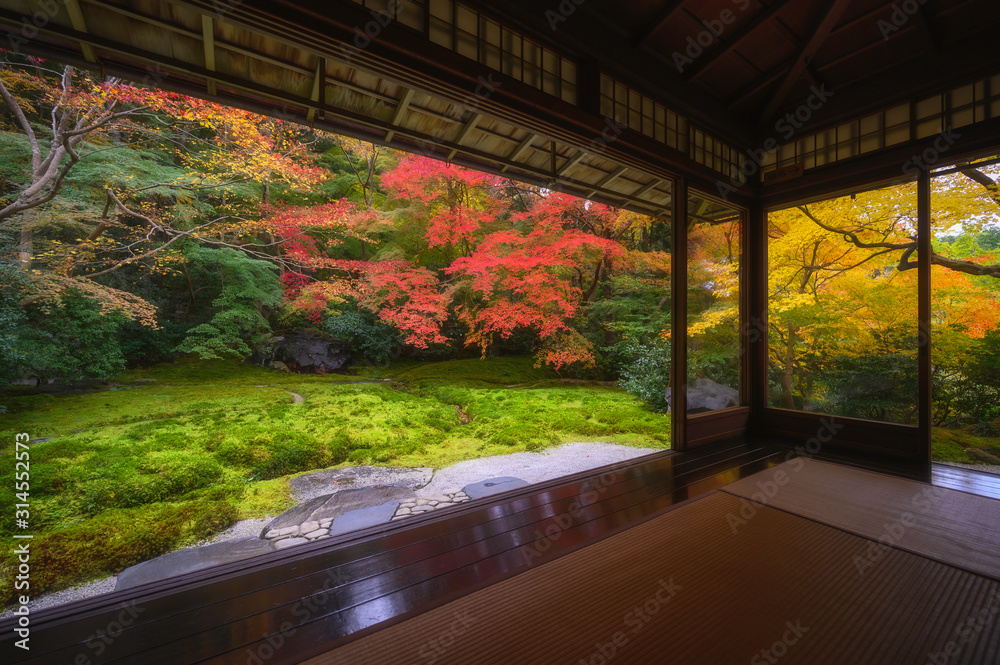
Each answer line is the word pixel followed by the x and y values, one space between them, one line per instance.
pixel 208 41
pixel 811 45
pixel 319 79
pixel 77 21
pixel 397 115
pixel 521 148
pixel 464 134
pixel 656 22
pixel 573 161
pixel 648 187
pixel 726 45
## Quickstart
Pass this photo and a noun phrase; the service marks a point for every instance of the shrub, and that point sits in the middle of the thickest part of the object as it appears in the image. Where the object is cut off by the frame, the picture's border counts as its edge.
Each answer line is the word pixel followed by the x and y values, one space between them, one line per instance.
pixel 647 376
pixel 371 340
pixel 74 340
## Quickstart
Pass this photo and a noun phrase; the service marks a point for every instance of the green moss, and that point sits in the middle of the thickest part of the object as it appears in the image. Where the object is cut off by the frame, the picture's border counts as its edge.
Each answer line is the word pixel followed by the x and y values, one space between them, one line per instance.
pixel 114 541
pixel 955 445
pixel 196 445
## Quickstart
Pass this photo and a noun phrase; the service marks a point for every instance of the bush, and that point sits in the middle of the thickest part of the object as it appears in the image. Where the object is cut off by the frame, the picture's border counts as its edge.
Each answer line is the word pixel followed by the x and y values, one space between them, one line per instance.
pixel 72 341
pixel 874 387
pixel 647 375
pixel 248 285
pixel 371 340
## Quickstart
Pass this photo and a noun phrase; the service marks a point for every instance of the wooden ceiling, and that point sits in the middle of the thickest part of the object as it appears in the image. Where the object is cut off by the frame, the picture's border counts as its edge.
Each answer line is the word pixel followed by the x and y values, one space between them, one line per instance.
pixel 728 69
pixel 768 54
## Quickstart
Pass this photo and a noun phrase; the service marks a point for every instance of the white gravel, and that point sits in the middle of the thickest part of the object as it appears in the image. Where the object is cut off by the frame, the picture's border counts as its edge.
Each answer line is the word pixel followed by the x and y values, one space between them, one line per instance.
pixel 244 529
pixel 106 585
pixel 987 468
pixel 534 468
pixel 565 460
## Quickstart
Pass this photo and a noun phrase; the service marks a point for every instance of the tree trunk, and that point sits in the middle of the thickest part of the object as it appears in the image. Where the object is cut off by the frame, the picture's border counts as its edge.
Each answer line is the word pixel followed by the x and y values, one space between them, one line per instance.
pixel 788 371
pixel 25 248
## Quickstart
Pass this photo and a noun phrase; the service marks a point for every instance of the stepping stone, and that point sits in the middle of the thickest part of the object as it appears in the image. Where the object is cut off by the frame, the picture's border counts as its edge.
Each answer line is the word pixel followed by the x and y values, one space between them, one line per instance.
pixel 329 481
pixel 363 517
pixel 289 542
pixel 332 506
pixel 437 497
pixel 493 486
pixel 191 559
pixel 42 439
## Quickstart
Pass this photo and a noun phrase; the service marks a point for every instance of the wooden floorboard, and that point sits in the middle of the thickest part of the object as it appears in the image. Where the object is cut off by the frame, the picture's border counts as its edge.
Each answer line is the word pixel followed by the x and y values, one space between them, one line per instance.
pixel 385 576
pixel 953 527
pixel 684 588
pixel 338 590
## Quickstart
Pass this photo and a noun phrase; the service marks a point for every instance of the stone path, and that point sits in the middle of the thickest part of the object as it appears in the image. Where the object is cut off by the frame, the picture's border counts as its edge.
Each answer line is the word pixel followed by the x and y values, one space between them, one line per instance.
pixel 367 496
pixel 323 514
pixel 426 504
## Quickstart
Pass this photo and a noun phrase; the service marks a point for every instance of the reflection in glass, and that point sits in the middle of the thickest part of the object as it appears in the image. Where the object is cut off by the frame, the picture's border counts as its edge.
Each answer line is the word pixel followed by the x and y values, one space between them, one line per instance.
pixel 713 314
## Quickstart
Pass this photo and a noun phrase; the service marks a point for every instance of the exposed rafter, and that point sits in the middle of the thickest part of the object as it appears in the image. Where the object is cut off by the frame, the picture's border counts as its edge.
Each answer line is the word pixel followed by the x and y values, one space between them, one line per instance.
pixel 464 133
pixel 573 161
pixel 607 180
pixel 656 22
pixel 79 23
pixel 810 46
pixel 319 78
pixel 397 116
pixel 729 42
pixel 208 39
pixel 647 188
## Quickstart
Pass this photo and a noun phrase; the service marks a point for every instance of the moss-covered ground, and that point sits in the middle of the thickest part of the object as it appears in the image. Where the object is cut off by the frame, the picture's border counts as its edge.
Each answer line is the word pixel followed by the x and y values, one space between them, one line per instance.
pixel 175 453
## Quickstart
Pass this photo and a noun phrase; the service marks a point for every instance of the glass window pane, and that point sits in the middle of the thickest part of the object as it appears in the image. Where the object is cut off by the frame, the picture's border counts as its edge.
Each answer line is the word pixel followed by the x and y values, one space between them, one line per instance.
pixel 713 312
pixel 965 320
pixel 842 317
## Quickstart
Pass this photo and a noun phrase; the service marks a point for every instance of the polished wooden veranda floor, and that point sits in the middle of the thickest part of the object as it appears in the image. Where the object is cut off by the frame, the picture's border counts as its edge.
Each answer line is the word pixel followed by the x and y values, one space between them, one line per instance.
pixel 668 559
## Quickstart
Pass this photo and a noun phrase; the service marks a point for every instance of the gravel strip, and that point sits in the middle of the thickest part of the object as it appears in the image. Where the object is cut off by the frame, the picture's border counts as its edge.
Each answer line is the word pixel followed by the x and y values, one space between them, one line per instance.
pixel 532 467
pixel 106 585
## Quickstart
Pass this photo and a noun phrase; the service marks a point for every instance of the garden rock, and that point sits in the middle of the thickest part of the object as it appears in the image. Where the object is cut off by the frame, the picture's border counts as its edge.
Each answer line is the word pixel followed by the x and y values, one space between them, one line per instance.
pixel 493 486
pixel 332 506
pixel 331 481
pixel 707 395
pixel 191 559
pixel 305 352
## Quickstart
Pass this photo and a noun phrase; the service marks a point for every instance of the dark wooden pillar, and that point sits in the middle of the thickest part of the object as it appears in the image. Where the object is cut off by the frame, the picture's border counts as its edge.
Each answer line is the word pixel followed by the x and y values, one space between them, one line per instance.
pixel 754 323
pixel 924 311
pixel 678 316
